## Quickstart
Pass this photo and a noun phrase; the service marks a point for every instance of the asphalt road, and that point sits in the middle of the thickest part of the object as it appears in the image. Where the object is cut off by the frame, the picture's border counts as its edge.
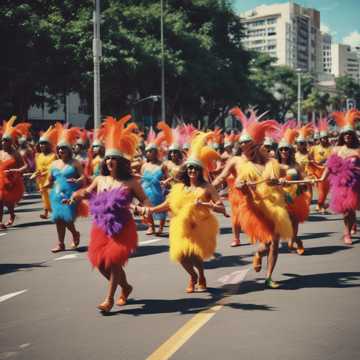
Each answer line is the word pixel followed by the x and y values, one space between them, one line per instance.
pixel 48 301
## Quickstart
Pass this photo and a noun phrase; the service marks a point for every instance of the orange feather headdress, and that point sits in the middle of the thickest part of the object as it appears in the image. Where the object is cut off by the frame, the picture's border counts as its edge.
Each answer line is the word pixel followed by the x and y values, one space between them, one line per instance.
pixel 154 140
pixel 323 127
pixel 305 132
pixel 9 131
pixel 200 154
pixel 287 134
pixel 119 140
pixel 253 130
pixel 346 121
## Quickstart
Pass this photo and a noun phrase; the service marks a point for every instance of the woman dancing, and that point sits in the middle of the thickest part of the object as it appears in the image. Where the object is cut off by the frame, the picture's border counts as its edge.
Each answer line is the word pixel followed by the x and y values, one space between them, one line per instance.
pixel 66 176
pixel 113 232
pixel 193 227
pixel 343 170
pixel 12 167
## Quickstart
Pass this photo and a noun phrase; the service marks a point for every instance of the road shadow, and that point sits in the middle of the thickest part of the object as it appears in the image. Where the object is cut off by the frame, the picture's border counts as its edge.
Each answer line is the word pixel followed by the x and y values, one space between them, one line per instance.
pixel 10 268
pixel 21 210
pixel 318 235
pixel 324 250
pixel 313 218
pixel 145 250
pixel 226 230
pixel 33 223
pixel 32 196
pixel 25 203
pixel 325 280
pixel 225 261
pixel 81 249
pixel 140 226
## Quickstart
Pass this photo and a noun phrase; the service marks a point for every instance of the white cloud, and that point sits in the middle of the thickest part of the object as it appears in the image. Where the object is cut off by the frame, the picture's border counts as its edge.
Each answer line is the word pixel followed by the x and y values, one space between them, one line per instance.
pixel 326 29
pixel 352 39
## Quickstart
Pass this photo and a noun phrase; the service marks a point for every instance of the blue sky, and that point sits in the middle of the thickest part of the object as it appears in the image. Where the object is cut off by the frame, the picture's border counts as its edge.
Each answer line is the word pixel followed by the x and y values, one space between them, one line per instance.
pixel 341 18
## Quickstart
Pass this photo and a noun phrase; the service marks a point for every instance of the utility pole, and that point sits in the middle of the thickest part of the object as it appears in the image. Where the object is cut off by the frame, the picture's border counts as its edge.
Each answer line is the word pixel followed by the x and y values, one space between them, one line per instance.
pixel 96 57
pixel 163 112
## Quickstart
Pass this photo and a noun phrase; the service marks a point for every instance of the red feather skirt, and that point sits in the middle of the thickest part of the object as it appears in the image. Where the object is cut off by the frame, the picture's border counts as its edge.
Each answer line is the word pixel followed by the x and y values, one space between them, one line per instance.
pixel 105 251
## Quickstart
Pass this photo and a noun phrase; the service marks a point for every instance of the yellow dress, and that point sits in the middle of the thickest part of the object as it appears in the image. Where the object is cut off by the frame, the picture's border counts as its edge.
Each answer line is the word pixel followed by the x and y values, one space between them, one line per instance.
pixel 320 153
pixel 193 228
pixel 43 163
pixel 303 161
pixel 263 214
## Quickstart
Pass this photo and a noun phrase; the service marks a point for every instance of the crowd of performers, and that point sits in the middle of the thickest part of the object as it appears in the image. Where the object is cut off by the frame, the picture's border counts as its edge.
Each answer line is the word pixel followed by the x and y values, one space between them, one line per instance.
pixel 267 172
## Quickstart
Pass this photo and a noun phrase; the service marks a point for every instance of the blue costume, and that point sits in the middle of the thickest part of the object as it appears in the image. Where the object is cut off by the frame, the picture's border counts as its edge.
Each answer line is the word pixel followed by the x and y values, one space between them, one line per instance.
pixel 152 188
pixel 62 190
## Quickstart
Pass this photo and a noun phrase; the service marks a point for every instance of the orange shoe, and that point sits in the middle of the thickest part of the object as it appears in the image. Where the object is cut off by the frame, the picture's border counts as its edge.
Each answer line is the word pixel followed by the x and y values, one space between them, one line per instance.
pixel 235 243
pixel 202 285
pixel 76 241
pixel 257 262
pixel 124 296
pixel 300 248
pixel 60 247
pixel 347 239
pixel 191 287
pixel 106 306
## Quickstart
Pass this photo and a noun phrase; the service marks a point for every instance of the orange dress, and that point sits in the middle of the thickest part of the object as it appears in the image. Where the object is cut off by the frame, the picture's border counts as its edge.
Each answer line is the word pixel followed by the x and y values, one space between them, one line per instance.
pixel 11 184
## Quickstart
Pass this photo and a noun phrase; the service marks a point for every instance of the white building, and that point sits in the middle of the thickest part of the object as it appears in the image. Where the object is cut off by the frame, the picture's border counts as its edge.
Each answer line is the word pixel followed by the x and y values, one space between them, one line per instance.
pixel 73 112
pixel 287 31
pixel 326 53
pixel 344 61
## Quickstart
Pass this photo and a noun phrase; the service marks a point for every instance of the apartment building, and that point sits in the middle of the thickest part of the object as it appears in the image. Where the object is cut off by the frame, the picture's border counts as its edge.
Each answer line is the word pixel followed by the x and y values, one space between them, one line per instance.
pixel 326 52
pixel 287 31
pixel 345 61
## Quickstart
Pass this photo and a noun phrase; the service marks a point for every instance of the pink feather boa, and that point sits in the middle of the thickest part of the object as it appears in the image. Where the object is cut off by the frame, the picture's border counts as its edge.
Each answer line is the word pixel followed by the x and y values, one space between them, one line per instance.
pixel 344 183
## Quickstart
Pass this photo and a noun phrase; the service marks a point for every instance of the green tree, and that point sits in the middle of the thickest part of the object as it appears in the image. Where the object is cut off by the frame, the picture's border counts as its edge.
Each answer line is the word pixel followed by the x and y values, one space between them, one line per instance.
pixel 52 54
pixel 347 88
pixel 274 88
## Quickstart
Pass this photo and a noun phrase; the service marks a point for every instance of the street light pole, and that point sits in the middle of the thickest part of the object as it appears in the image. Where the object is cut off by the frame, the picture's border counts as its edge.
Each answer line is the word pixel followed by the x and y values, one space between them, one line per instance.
pixel 96 57
pixel 299 98
pixel 163 113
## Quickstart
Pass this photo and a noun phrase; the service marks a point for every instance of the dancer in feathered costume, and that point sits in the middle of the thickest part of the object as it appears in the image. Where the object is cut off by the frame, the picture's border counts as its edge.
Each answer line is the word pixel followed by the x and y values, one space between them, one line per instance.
pixel 95 157
pixel 193 227
pixel 43 161
pixel 12 167
pixel 302 151
pixel 113 232
pixel 153 172
pixel 174 140
pixel 343 170
pixel 66 176
pixel 298 197
pixel 318 155
pixel 262 211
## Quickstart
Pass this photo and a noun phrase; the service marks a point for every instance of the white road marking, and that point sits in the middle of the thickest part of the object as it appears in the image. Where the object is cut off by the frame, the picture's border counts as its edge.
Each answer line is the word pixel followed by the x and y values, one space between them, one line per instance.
pixel 9 296
pixel 2 234
pixel 23 346
pixel 150 241
pixel 235 277
pixel 67 257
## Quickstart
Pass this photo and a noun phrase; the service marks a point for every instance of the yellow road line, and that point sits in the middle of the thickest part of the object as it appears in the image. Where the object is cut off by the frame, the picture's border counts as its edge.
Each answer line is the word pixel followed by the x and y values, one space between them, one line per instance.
pixel 174 343
pixel 170 346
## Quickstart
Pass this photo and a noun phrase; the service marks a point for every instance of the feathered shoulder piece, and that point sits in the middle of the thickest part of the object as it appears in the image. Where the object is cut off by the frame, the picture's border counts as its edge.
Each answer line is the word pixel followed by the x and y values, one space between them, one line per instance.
pixel 253 129
pixel 14 132
pixel 119 140
pixel 346 121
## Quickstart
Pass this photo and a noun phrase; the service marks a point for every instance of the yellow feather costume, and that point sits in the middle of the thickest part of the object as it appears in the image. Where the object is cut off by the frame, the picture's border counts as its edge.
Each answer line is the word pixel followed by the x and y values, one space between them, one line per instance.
pixel 193 228
pixel 264 214
pixel 43 164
